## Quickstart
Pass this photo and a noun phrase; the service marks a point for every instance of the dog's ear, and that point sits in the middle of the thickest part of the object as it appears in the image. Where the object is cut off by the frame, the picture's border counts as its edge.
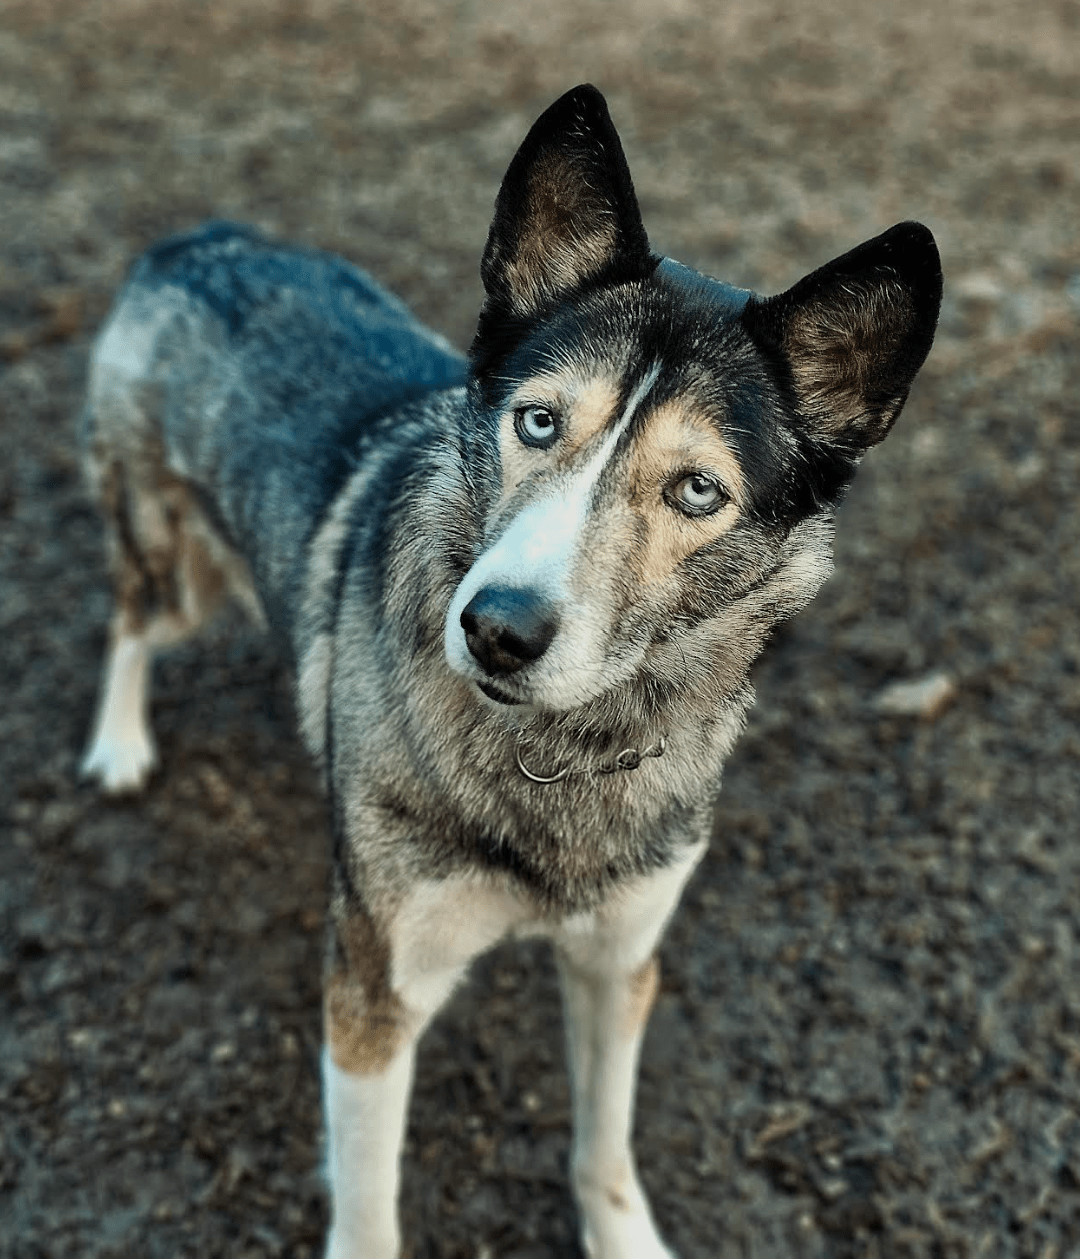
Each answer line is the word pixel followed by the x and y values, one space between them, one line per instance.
pixel 566 212
pixel 854 333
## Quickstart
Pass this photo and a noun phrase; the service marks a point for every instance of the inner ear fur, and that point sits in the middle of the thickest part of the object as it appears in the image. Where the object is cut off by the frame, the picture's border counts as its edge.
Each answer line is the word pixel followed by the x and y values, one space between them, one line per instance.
pixel 566 212
pixel 854 333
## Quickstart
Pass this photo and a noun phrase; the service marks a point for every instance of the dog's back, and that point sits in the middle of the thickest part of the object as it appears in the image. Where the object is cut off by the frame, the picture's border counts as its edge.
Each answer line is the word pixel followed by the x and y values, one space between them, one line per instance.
pixel 248 374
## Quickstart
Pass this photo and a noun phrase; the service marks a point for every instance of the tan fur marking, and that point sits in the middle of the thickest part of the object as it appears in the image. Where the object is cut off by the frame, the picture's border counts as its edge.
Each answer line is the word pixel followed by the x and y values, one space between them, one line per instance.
pixel 129 577
pixel 585 407
pixel 569 234
pixel 204 582
pixel 171 570
pixel 366 1023
pixel 677 438
pixel 643 988
pixel 363 1036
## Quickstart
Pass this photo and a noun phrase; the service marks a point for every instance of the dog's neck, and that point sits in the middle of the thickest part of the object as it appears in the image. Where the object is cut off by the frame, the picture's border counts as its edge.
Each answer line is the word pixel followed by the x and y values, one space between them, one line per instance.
pixel 625 729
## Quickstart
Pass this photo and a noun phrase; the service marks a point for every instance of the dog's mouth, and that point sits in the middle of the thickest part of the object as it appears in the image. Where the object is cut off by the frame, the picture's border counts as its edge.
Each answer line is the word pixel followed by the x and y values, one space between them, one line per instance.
pixel 494 693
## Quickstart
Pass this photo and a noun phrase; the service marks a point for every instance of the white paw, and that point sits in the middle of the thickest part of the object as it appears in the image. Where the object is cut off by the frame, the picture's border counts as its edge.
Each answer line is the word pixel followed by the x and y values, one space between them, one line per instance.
pixel 120 765
pixel 617 1228
pixel 344 1244
pixel 629 1240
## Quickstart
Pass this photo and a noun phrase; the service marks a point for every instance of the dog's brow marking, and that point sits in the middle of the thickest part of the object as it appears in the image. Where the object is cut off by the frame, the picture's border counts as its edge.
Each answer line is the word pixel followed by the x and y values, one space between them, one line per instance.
pixel 575 505
pixel 678 438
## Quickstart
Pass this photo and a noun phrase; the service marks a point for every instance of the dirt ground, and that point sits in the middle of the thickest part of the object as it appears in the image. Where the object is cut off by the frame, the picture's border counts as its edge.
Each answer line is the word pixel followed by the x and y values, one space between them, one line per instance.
pixel 868 1038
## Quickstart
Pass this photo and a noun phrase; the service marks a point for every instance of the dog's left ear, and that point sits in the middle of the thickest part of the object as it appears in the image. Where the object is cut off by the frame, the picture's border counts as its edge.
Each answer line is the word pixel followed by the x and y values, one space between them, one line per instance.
pixel 566 213
pixel 854 333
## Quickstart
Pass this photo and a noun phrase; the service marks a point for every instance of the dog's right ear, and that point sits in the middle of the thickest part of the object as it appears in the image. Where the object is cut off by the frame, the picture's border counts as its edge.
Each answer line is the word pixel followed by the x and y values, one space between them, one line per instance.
pixel 566 213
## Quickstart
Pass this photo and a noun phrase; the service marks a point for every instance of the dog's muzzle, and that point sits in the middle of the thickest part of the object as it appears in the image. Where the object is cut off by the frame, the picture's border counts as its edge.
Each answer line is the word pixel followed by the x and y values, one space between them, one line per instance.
pixel 507 629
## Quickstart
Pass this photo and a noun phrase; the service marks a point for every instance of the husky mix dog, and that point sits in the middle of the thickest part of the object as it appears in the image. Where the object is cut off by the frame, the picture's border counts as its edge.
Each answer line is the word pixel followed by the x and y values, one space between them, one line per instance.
pixel 522 589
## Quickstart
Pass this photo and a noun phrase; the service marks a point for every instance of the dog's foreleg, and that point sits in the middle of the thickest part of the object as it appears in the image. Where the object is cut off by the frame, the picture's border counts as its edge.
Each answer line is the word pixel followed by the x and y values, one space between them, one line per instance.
pixel 121 753
pixel 609 976
pixel 365 1127
pixel 367 1078
pixel 606 1017
pixel 388 976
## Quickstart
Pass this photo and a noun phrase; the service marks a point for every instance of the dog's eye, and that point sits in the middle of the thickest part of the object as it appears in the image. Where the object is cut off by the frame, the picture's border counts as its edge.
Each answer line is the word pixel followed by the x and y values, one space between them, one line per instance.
pixel 698 495
pixel 536 426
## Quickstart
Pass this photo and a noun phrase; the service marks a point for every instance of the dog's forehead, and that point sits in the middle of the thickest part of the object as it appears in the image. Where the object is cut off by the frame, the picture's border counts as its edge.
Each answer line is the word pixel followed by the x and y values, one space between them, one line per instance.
pixel 678 325
pixel 694 287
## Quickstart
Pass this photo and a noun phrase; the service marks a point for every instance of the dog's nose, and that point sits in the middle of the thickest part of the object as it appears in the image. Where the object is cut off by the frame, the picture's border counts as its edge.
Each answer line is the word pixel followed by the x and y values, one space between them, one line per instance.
pixel 506 629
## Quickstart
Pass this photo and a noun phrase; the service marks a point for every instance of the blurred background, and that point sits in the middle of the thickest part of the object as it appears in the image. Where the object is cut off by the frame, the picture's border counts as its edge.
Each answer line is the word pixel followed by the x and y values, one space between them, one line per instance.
pixel 868 1037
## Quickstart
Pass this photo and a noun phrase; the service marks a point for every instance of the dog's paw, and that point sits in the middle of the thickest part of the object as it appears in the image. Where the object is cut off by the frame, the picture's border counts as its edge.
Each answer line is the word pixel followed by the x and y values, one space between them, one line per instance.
pixel 120 766
pixel 633 1240
pixel 621 1225
pixel 342 1245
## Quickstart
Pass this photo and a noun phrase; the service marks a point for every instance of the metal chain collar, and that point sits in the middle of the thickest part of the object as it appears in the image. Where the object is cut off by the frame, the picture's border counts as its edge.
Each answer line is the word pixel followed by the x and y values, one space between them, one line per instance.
pixel 628 759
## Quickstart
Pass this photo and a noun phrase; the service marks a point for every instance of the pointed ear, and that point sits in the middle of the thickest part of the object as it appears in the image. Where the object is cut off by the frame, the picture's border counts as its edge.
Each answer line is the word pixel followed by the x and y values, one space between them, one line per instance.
pixel 854 333
pixel 566 212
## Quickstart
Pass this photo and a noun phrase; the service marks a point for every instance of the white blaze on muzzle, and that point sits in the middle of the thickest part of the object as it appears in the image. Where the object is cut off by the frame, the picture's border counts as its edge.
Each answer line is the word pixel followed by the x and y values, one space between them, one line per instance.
pixel 536 551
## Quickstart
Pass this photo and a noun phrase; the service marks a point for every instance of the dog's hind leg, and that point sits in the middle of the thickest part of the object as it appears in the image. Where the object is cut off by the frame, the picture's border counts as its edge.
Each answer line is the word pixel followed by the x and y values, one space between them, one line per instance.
pixel 121 753
pixel 609 976
pixel 387 976
pixel 170 571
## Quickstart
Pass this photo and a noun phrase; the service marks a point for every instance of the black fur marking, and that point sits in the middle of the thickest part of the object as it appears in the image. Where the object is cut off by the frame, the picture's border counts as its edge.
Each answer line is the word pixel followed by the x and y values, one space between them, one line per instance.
pixel 724 299
pixel 540 873
pixel 341 868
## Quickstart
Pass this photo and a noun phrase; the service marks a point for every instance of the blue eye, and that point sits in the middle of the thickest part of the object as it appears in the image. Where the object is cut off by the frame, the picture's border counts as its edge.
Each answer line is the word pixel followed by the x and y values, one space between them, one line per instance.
pixel 536 426
pixel 698 495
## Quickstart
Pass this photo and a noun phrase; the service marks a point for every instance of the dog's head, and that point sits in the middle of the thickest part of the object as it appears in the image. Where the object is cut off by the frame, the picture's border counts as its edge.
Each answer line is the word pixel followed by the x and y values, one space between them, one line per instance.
pixel 658 454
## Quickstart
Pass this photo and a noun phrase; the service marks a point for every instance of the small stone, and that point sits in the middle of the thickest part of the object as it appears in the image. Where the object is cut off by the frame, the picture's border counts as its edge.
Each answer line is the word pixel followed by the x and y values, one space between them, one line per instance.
pixel 925 697
pixel 217 791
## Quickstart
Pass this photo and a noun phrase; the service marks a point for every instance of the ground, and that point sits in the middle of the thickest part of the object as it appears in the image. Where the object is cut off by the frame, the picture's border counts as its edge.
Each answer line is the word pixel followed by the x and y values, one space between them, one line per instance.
pixel 868 1037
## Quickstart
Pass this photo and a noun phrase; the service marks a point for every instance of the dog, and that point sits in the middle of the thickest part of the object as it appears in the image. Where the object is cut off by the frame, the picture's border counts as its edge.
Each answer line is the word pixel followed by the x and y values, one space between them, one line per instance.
pixel 522 589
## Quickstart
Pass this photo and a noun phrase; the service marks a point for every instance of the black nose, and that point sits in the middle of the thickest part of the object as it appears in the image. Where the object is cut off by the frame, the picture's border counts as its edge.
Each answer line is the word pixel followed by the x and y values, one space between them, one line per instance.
pixel 506 629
